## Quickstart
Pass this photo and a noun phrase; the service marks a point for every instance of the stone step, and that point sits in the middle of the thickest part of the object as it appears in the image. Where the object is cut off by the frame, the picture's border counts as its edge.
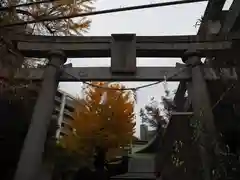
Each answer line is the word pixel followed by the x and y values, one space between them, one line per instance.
pixel 140 167
pixel 141 163
pixel 135 176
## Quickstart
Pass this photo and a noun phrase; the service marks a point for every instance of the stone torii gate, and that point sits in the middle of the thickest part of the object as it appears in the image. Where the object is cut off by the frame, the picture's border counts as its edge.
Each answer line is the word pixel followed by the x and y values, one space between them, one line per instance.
pixel 123 50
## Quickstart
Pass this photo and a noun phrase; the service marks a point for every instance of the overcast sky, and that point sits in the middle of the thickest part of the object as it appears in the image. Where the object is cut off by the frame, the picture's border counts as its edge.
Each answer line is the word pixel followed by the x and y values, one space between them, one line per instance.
pixel 172 20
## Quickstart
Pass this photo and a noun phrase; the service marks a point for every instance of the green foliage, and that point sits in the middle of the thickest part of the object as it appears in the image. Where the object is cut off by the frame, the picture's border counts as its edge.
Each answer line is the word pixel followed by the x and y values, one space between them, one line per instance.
pixel 177 146
pixel 197 128
pixel 227 164
pixel 11 60
pixel 154 115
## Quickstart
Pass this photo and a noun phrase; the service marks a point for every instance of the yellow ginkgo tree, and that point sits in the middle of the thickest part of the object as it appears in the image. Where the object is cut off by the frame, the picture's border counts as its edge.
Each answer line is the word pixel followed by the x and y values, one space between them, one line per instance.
pixel 49 9
pixel 109 124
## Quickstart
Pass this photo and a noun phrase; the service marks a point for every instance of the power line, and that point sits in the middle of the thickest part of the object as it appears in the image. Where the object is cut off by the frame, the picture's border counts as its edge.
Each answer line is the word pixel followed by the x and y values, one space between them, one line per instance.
pixel 223 95
pixel 107 11
pixel 25 4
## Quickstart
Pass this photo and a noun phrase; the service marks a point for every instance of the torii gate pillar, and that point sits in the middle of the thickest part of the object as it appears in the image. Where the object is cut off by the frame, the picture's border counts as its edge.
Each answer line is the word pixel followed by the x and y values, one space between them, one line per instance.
pixel 33 148
pixel 202 113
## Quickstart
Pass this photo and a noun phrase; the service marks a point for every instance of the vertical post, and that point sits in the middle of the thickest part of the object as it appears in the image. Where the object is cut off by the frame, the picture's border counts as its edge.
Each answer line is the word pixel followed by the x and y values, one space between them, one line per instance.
pixel 31 157
pixel 179 98
pixel 203 113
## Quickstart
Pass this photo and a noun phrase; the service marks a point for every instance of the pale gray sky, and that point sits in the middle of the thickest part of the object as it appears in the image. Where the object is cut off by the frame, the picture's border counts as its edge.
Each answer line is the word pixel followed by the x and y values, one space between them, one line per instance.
pixel 172 20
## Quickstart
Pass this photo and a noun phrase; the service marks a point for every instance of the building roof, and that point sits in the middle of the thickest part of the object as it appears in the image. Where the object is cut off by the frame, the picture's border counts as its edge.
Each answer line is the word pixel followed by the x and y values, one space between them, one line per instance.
pixel 141 166
pixel 67 94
